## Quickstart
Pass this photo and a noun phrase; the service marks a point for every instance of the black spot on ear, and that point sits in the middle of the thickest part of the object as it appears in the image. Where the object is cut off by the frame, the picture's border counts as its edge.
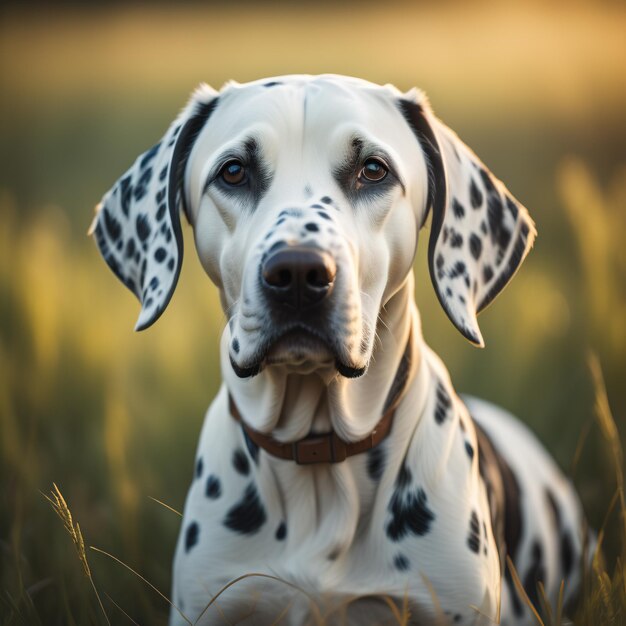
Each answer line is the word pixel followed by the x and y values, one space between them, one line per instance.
pixel 160 214
pixel 457 270
pixel 163 174
pixel 469 449
pixel 512 207
pixel 473 539
pixel 409 514
pixel 240 462
pixel 191 536
pixel 141 186
pixel 376 462
pixel 142 225
pixel 130 248
pixel 248 515
pixel 439 261
pixel 326 200
pixel 170 265
pixel 199 466
pixel 535 574
pixel 401 563
pixel 476 196
pixel 154 283
pixel 272 83
pixel 442 405
pixel 126 191
pixel 149 155
pixel 448 292
pixel 475 245
pixel 113 227
pixel 458 209
pixel 324 215
pixel 312 227
pixel 235 345
pixel 213 488
pixel 281 531
pixel 160 254
pixel 487 273
pixel 456 239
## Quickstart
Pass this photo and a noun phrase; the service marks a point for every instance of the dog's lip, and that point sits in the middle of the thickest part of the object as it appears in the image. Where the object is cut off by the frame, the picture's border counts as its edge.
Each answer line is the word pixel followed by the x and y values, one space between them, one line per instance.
pixel 298 345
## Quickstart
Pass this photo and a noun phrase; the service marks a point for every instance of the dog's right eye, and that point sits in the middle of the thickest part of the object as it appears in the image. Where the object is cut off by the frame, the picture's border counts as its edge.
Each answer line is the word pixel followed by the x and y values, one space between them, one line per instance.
pixel 233 173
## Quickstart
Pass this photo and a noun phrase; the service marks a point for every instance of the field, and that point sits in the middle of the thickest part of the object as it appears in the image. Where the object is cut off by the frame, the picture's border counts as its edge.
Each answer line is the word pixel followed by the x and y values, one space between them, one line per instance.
pixel 112 417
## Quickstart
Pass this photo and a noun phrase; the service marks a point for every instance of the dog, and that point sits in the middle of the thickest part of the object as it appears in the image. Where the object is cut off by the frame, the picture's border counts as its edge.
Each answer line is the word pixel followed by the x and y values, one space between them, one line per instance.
pixel 337 464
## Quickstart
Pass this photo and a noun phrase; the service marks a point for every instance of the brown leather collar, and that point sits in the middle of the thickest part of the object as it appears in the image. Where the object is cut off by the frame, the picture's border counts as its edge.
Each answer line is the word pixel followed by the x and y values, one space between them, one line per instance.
pixel 329 447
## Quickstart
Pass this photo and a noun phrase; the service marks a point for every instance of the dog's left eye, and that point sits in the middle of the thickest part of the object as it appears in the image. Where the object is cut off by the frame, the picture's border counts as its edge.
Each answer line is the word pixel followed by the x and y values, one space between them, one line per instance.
pixel 373 171
pixel 233 173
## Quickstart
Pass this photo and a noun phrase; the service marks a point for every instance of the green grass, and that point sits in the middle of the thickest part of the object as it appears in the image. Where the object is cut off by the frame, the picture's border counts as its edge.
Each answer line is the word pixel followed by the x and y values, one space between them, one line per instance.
pixel 113 417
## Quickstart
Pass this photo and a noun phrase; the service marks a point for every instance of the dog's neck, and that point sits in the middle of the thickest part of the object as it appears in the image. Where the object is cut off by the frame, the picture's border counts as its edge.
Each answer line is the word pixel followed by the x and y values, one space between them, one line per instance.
pixel 290 406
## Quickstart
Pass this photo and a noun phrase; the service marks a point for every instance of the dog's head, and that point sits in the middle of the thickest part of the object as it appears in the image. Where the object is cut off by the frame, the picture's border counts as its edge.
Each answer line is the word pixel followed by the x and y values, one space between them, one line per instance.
pixel 306 195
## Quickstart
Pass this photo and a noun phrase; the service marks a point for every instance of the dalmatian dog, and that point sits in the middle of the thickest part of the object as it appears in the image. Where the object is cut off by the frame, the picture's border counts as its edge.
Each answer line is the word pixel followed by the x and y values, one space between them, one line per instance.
pixel 339 476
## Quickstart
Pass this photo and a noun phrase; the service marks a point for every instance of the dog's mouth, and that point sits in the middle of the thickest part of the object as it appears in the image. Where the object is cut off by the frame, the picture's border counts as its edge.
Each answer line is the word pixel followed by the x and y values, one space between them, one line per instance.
pixel 301 349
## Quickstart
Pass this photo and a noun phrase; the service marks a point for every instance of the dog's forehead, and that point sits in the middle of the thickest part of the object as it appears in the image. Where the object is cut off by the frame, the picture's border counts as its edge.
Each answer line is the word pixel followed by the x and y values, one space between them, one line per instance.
pixel 297 101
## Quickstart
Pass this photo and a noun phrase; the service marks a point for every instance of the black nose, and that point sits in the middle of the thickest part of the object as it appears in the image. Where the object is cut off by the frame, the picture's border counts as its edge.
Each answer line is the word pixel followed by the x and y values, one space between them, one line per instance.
pixel 298 277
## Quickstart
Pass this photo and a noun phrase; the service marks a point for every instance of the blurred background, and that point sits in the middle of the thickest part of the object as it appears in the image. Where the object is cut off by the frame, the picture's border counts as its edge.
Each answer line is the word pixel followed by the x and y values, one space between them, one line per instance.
pixel 537 89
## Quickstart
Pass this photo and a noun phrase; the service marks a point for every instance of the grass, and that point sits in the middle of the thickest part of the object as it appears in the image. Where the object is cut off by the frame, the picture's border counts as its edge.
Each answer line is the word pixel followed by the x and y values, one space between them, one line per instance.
pixel 113 417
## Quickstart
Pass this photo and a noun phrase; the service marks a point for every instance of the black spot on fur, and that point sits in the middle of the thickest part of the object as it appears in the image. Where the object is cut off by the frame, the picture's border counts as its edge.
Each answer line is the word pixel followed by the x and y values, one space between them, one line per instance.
pixel 142 224
pixel 163 174
pixel 567 554
pixel 476 196
pixel 469 449
pixel 235 345
pixel 160 254
pixel 160 214
pixel 401 563
pixel 154 283
pixel 409 514
pixel 458 208
pixel 240 462
pixel 248 515
pixel 475 245
pixel 324 215
pixel 191 536
pixel 281 531
pixel 312 227
pixel 439 261
pixel 170 265
pixel 326 200
pixel 272 83
pixel 376 462
pixel 473 539
pixel 253 449
pixel 213 488
pixel 487 273
pixel 199 466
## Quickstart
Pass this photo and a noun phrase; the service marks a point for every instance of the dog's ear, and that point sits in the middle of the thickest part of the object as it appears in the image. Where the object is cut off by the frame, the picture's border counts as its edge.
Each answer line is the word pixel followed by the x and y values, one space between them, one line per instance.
pixel 137 223
pixel 479 235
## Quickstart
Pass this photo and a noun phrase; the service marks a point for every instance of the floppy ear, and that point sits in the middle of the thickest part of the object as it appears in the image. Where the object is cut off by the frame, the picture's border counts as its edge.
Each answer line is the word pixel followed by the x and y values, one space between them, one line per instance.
pixel 137 224
pixel 479 235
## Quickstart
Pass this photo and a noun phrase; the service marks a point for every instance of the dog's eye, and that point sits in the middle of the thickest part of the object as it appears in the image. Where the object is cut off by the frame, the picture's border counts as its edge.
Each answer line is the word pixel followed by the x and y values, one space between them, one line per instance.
pixel 374 170
pixel 233 173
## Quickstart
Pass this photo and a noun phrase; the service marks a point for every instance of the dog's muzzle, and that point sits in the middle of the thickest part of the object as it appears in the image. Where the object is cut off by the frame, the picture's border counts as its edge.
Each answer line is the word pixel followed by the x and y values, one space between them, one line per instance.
pixel 298 277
